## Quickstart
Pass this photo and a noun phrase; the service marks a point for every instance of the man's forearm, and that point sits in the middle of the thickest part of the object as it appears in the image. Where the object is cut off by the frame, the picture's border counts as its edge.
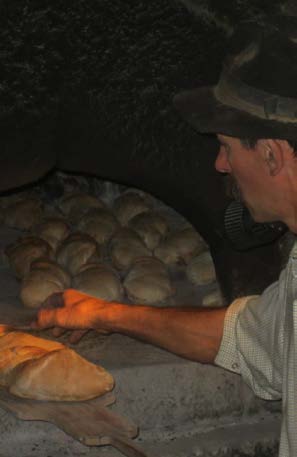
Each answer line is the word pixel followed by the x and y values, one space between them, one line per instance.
pixel 189 332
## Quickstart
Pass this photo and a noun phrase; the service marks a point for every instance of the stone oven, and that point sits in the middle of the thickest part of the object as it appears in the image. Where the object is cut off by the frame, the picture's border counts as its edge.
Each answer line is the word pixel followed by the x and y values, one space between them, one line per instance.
pixel 87 98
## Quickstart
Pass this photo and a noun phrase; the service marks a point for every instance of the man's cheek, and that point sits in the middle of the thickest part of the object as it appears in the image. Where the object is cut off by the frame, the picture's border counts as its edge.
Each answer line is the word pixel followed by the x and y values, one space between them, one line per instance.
pixel 236 191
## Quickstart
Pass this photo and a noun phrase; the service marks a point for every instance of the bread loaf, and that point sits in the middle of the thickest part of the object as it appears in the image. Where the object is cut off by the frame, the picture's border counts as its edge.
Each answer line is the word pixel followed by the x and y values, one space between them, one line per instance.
pixel 75 205
pixel 148 281
pixel 40 369
pixel 24 251
pixel 99 223
pixel 150 226
pixel 128 205
pixel 76 250
pixel 100 281
pixel 201 271
pixel 45 278
pixel 180 247
pixel 23 214
pixel 213 300
pixel 125 247
pixel 53 230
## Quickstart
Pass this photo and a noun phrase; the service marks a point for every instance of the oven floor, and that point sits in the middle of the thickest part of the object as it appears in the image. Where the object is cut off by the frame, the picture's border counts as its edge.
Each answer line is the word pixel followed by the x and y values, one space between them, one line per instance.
pixel 178 405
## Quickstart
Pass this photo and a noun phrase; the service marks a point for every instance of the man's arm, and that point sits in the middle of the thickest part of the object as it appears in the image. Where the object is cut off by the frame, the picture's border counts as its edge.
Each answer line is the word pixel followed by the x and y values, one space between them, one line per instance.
pixel 193 333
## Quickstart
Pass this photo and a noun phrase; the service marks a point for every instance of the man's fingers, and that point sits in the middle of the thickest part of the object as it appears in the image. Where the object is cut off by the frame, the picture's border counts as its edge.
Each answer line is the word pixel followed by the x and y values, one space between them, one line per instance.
pixel 68 309
pixel 58 331
pixel 72 297
pixel 76 336
pixel 47 318
pixel 67 298
pixel 102 332
pixel 53 301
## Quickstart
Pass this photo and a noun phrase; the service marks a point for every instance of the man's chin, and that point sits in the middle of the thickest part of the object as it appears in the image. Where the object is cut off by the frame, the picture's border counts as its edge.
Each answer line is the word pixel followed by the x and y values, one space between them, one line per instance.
pixel 258 217
pixel 254 214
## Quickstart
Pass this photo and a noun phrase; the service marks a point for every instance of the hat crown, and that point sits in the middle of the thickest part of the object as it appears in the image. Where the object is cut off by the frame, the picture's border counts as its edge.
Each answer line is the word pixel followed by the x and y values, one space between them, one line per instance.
pixel 265 57
pixel 256 95
pixel 260 78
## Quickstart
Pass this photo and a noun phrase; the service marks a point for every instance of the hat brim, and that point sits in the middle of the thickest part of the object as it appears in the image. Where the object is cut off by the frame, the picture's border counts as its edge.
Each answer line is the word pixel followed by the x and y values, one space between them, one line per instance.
pixel 206 114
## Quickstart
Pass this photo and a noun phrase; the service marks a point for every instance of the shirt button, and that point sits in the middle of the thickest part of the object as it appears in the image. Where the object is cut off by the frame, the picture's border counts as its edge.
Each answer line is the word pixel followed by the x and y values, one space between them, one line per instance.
pixel 234 365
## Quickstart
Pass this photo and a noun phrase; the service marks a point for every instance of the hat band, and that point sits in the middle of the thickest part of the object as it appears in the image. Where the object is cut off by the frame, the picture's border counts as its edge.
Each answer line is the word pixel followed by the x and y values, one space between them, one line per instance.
pixel 236 94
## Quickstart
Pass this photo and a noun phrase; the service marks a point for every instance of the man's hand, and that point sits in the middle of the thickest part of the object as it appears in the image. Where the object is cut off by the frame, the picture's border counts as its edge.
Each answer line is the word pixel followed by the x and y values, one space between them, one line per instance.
pixel 72 310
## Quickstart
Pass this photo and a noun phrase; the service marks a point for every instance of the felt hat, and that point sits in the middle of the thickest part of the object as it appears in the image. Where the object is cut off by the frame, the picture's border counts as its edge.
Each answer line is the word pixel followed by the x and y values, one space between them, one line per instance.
pixel 256 95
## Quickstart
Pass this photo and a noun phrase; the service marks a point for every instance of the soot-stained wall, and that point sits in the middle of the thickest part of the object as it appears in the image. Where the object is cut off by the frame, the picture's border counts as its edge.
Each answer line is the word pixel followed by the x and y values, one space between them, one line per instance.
pixel 99 77
pixel 87 86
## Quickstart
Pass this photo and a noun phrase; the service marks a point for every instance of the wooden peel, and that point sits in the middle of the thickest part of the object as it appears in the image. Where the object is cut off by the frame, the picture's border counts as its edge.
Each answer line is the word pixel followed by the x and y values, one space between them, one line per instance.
pixel 22 328
pixel 89 422
pixel 17 327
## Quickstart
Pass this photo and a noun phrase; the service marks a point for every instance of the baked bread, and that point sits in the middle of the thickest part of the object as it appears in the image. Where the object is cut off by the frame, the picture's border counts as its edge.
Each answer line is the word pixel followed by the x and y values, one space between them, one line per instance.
pixel 75 205
pixel 180 247
pixel 45 278
pixel 100 281
pixel 213 300
pixel 148 281
pixel 201 271
pixel 40 369
pixel 99 223
pixel 76 250
pixel 23 214
pixel 125 247
pixel 53 230
pixel 151 226
pixel 128 205
pixel 24 251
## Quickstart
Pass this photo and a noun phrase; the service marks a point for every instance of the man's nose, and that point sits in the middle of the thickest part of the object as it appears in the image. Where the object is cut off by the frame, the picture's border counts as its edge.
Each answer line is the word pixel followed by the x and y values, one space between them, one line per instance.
pixel 221 163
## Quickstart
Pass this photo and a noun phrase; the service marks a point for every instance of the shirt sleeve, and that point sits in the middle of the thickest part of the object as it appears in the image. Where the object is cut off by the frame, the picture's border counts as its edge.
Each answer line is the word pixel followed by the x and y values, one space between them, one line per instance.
pixel 252 341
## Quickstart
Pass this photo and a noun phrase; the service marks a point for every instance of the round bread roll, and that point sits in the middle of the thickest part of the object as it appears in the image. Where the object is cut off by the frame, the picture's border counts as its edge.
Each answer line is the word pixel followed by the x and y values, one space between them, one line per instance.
pixel 150 226
pixel 125 247
pixel 100 281
pixel 52 230
pixel 76 250
pixel 128 205
pixel 24 251
pixel 148 281
pixel 75 205
pixel 213 300
pixel 180 247
pixel 100 224
pixel 53 268
pixel 44 279
pixel 23 214
pixel 201 271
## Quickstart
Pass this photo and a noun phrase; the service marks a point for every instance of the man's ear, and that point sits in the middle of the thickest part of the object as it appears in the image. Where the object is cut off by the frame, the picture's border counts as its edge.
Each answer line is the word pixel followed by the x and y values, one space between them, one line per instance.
pixel 273 155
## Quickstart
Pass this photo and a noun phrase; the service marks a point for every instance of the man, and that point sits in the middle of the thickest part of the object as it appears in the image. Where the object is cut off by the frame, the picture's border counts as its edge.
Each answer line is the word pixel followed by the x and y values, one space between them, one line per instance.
pixel 253 111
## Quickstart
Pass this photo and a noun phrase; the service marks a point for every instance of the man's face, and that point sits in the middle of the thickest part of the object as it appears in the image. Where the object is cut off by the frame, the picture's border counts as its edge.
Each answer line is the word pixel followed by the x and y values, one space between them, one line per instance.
pixel 248 171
